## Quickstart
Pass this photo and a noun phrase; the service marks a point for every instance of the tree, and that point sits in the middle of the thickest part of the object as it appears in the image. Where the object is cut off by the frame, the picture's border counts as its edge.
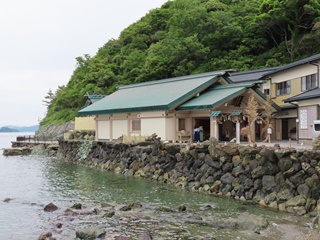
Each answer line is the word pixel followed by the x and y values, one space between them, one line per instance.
pixel 49 98
pixel 287 20
pixel 82 61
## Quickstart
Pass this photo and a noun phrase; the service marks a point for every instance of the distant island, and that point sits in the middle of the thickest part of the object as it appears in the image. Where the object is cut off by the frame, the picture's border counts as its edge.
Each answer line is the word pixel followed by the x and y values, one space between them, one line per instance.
pixel 10 128
pixel 6 129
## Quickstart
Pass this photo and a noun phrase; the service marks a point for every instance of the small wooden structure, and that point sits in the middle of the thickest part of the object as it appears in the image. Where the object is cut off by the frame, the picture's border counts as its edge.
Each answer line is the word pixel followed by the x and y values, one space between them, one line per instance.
pixel 183 135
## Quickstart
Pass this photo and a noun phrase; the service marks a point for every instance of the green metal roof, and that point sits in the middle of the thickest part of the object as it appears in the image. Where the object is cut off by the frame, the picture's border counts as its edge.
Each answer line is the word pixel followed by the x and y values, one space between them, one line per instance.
pixel 155 95
pixel 215 97
pixel 215 113
pixel 92 98
pixel 236 113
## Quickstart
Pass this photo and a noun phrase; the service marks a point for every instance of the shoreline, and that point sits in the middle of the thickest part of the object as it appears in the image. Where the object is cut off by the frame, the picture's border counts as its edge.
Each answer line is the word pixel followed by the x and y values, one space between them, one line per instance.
pixel 279 178
pixel 88 154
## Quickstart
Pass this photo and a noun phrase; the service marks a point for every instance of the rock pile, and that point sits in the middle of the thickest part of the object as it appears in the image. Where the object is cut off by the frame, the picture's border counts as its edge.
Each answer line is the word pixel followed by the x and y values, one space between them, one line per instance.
pixel 283 179
pixel 81 135
pixel 145 222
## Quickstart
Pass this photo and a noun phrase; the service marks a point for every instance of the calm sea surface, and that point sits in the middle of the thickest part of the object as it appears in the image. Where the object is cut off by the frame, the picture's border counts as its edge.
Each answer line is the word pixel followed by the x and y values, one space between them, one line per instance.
pixel 32 182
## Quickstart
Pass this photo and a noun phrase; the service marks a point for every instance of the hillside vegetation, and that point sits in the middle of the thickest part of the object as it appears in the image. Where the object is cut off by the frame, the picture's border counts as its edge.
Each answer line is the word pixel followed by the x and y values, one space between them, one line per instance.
pixel 192 36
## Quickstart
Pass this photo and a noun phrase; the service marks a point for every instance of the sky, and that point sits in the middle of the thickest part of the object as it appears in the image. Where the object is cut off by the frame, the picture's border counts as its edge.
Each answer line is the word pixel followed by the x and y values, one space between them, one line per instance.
pixel 39 41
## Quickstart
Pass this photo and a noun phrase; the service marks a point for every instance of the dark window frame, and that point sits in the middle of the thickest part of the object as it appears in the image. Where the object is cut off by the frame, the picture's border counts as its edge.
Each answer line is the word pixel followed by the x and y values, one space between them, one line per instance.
pixel 136 125
pixel 284 88
pixel 309 82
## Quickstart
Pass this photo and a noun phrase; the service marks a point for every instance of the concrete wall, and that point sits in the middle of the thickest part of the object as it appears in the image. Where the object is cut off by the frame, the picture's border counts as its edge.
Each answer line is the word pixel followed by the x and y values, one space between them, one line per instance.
pixel 103 131
pixel 85 123
pixel 119 128
pixel 294 75
pixel 310 113
pixel 169 128
pixel 154 125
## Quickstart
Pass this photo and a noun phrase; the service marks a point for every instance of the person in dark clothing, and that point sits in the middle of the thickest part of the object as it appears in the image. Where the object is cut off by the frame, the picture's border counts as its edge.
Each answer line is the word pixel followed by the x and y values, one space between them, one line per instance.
pixel 196 137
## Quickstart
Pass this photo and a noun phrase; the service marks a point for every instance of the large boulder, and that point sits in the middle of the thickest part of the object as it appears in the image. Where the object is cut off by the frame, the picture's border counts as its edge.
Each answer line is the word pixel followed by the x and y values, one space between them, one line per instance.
pixel 296 201
pixel 269 155
pixel 90 233
pixel 248 221
pixel 16 151
pixel 285 164
pixel 213 146
pixel 50 207
pixel 45 236
pixel 268 184
pixel 259 172
pixel 227 178
pixel 53 132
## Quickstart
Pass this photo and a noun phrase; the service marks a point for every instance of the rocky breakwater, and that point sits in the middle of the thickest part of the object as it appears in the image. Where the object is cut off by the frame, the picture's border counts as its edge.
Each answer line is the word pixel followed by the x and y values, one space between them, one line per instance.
pixel 16 151
pixel 280 178
pixel 35 148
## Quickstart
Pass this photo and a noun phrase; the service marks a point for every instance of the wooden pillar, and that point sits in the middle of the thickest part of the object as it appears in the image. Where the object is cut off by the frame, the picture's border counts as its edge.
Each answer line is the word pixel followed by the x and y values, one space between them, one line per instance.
pixel 238 132
pixel 278 132
pixel 128 127
pixel 214 128
pixel 111 137
pixel 190 126
pixel 253 132
pixel 174 129
pixel 96 130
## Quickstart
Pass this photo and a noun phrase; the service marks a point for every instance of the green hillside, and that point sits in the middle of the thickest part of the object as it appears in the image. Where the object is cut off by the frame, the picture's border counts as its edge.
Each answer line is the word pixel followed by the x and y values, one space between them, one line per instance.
pixel 193 36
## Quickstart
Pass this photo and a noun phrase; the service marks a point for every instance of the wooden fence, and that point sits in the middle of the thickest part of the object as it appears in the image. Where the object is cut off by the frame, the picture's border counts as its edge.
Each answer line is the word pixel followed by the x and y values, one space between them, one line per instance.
pixel 26 138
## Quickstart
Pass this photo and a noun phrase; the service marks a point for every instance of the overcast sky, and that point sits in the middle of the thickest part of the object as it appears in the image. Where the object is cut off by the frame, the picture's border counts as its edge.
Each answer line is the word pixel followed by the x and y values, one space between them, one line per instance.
pixel 40 39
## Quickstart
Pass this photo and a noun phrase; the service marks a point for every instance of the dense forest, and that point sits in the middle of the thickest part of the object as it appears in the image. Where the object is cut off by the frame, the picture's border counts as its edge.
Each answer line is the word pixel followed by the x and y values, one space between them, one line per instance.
pixel 192 36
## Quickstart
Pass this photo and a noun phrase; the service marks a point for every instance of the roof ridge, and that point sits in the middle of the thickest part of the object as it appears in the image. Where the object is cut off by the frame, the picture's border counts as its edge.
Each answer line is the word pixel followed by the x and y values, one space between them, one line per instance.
pixel 255 71
pixel 175 79
pixel 306 60
pixel 302 94
pixel 234 85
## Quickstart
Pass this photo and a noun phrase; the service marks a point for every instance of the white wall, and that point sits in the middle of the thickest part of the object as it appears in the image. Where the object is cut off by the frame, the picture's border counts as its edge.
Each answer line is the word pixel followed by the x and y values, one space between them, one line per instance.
pixel 119 128
pixel 293 73
pixel 169 128
pixel 312 114
pixel 103 131
pixel 154 125
pixel 309 102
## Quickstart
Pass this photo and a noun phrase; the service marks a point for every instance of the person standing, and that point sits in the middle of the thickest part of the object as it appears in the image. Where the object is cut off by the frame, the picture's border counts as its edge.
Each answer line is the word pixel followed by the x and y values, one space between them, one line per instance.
pixel 196 134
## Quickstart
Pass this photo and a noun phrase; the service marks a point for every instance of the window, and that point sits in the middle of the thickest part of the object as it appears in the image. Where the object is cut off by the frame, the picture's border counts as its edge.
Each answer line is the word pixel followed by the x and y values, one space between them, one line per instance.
pixel 309 82
pixel 283 88
pixel 182 124
pixel 266 91
pixel 136 125
pixel 303 119
pixel 317 127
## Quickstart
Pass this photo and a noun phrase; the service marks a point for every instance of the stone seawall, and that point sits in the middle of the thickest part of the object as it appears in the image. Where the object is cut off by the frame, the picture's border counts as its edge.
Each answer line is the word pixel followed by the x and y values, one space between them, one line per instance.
pixel 283 179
